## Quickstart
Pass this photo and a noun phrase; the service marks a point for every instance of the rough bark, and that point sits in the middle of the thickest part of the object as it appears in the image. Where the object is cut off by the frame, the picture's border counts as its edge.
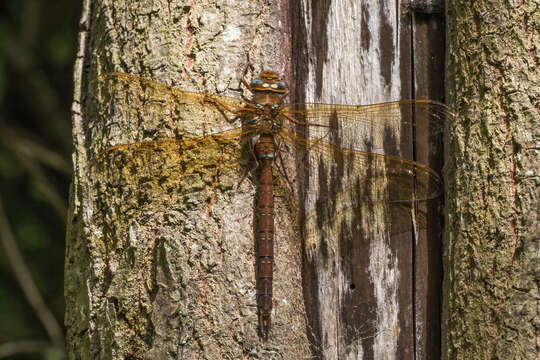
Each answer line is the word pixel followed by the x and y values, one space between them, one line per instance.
pixel 160 252
pixel 492 269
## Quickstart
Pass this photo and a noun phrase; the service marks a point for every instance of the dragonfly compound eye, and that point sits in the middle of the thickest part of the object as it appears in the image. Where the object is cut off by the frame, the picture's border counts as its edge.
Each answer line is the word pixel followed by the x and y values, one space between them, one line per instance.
pixel 256 82
pixel 275 106
pixel 281 84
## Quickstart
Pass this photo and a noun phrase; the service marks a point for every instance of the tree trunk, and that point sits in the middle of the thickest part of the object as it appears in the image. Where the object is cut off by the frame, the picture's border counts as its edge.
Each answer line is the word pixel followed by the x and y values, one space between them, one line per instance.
pixel 160 259
pixel 369 294
pixel 491 293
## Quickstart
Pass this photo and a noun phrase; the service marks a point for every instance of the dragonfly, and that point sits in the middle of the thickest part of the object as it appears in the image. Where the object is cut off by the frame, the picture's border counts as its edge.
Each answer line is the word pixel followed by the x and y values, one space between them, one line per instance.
pixel 350 141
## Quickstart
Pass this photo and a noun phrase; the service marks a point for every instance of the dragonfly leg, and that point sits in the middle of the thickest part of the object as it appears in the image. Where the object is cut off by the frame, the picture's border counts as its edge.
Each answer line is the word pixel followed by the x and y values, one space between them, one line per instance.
pixel 249 65
pixel 302 123
pixel 294 121
pixel 249 169
pixel 248 100
pixel 284 171
pixel 245 84
pixel 224 105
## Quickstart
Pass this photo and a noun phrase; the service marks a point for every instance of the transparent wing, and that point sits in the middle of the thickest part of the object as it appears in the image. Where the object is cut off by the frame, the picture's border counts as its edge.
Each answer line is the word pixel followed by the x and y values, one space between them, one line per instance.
pixel 136 109
pixel 212 145
pixel 372 153
pixel 361 171
pixel 191 163
pixel 134 84
pixel 376 117
pixel 185 141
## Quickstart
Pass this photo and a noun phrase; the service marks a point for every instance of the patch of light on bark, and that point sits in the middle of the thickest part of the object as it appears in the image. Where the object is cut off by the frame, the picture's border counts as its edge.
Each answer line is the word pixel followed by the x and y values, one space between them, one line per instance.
pixel 132 235
pixel 89 212
pixel 231 33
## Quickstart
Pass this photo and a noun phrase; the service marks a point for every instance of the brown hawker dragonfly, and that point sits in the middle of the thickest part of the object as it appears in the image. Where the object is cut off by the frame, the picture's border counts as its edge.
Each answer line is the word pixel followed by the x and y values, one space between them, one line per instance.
pixel 356 145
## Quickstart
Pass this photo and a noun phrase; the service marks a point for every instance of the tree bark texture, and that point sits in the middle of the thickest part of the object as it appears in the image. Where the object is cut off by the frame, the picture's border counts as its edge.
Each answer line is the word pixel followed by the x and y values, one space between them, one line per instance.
pixel 160 260
pixel 491 247
pixel 370 293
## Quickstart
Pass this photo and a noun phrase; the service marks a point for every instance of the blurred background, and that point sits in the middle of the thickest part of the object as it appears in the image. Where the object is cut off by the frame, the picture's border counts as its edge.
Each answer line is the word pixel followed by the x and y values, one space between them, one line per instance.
pixel 38 41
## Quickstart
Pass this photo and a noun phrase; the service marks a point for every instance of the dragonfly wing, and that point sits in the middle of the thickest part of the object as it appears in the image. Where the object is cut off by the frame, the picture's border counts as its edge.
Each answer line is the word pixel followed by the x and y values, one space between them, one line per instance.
pixel 186 140
pixel 138 108
pixel 428 114
pixel 191 159
pixel 398 128
pixel 368 176
pixel 359 145
pixel 356 168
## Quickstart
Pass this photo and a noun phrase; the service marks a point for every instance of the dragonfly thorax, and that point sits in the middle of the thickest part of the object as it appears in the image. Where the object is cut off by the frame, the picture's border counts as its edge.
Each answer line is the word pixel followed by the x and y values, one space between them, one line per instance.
pixel 267 123
pixel 268 92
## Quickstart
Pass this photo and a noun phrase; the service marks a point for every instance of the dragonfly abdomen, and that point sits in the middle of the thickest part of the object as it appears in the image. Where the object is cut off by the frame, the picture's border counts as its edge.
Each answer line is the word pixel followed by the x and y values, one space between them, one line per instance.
pixel 265 152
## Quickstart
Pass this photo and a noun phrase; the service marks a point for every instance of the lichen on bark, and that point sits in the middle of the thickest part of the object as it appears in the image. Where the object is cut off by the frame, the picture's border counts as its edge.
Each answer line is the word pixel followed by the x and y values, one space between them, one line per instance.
pixel 492 244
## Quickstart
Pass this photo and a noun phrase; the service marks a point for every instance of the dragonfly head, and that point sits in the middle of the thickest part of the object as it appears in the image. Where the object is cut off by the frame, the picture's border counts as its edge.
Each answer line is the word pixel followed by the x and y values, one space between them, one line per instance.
pixel 268 89
pixel 268 81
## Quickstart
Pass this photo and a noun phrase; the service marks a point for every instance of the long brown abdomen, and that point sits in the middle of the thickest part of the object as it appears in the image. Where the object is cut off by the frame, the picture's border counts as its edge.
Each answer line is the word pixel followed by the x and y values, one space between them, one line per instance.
pixel 264 151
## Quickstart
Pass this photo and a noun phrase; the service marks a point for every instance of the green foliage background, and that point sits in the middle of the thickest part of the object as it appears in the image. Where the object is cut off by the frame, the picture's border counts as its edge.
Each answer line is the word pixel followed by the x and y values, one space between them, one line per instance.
pixel 38 41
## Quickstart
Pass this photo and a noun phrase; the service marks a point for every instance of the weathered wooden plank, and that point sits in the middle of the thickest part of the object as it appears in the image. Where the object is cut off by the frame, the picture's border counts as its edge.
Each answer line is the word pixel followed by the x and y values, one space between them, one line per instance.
pixel 360 281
